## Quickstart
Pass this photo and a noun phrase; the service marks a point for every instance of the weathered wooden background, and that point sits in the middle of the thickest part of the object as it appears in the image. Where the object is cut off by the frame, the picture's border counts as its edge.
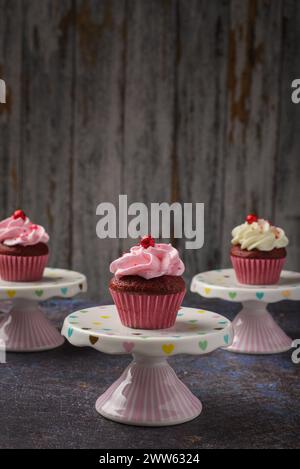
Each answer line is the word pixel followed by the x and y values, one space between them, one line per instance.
pixel 178 100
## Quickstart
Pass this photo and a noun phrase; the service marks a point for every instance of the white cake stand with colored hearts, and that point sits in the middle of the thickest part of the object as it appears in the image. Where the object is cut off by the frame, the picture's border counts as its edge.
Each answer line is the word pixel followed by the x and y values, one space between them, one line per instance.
pixel 255 329
pixel 25 328
pixel 148 392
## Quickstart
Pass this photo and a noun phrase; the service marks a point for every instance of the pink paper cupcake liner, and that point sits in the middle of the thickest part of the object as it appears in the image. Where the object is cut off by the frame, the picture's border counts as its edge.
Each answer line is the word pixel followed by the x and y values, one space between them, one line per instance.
pixel 22 268
pixel 257 271
pixel 147 311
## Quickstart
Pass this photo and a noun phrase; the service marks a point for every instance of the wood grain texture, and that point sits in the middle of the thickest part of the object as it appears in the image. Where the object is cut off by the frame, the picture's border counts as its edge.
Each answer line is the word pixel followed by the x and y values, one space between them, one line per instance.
pixel 162 100
pixel 98 133
pixel 10 112
pixel 287 187
pixel 47 114
pixel 252 112
pixel 201 115
pixel 149 102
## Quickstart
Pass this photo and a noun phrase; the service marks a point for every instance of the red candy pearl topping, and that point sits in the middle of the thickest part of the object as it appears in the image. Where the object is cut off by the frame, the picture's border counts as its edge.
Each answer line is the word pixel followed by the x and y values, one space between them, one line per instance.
pixel 147 241
pixel 33 227
pixel 251 218
pixel 19 214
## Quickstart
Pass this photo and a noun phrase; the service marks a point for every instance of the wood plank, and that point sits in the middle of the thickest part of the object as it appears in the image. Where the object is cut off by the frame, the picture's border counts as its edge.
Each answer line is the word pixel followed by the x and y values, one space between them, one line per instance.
pixel 287 188
pixel 201 115
pixel 254 58
pixel 149 103
pixel 47 124
pixel 10 112
pixel 98 137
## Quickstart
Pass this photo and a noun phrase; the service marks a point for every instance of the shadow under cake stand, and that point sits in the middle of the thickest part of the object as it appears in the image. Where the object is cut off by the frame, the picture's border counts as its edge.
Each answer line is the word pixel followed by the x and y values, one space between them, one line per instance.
pixel 255 331
pixel 25 328
pixel 148 392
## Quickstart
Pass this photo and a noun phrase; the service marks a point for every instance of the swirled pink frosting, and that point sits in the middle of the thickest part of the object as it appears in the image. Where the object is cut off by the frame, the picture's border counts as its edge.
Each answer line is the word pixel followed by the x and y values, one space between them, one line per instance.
pixel 154 261
pixel 15 231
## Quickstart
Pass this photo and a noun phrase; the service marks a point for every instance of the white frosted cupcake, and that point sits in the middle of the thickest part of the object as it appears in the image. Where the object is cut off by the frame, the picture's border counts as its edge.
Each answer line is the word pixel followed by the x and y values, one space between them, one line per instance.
pixel 258 251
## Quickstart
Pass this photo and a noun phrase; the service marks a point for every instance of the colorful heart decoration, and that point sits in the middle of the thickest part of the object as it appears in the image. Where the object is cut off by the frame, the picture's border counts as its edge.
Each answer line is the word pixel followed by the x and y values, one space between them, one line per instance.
pixel 168 348
pixel 201 311
pixel 70 331
pixel 39 293
pixel 286 293
pixel 128 346
pixel 104 317
pixel 226 339
pixel 203 345
pixel 259 295
pixel 64 290
pixel 207 291
pixel 11 293
pixel 232 295
pixel 93 339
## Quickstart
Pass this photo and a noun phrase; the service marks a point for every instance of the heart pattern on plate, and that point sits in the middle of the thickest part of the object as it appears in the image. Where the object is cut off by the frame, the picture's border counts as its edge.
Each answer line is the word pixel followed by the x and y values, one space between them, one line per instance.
pixel 203 344
pixel 93 339
pixel 39 293
pixel 128 346
pixel 64 290
pixel 207 291
pixel 11 293
pixel 260 295
pixel 168 348
pixel 232 295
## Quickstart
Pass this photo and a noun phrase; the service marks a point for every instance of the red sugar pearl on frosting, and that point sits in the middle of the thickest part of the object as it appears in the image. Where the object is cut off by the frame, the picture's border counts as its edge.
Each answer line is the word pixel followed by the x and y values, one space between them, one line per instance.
pixel 147 241
pixel 251 218
pixel 19 214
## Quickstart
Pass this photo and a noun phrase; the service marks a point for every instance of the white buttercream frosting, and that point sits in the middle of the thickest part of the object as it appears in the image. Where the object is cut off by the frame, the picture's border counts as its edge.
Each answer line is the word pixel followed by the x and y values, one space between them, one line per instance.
pixel 259 235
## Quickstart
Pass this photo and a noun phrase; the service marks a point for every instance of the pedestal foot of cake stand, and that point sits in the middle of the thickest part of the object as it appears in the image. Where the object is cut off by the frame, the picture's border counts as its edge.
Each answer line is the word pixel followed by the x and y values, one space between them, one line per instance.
pixel 255 331
pixel 149 394
pixel 26 329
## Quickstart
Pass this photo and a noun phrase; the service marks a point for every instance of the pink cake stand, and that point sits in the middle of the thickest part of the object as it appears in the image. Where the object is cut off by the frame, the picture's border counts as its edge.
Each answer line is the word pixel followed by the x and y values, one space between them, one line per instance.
pixel 148 392
pixel 24 328
pixel 255 331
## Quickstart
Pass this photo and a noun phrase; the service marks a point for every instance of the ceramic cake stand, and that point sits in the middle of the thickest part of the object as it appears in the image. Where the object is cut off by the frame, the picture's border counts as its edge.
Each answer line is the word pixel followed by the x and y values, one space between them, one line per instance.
pixel 148 392
pixel 254 328
pixel 25 328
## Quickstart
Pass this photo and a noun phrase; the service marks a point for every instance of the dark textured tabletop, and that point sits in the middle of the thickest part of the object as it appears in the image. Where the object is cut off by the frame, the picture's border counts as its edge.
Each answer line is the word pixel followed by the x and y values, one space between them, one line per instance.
pixel 47 399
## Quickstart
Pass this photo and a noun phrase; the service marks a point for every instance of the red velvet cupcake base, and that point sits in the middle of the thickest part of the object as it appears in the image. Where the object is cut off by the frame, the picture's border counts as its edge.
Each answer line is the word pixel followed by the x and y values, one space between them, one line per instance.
pixel 147 311
pixel 257 271
pixel 22 268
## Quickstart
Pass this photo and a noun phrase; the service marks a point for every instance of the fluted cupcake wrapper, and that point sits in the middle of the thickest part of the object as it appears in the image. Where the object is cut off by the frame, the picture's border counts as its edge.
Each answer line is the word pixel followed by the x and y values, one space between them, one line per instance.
pixel 22 268
pixel 257 271
pixel 147 311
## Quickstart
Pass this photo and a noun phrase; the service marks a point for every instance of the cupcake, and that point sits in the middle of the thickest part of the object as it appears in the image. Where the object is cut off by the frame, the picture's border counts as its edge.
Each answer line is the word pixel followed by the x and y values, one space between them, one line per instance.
pixel 23 249
pixel 147 286
pixel 258 251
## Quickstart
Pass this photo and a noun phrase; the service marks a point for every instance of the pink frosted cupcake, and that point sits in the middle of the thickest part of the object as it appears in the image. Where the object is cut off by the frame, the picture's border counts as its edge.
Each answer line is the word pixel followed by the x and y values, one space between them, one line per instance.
pixel 147 286
pixel 258 251
pixel 23 249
